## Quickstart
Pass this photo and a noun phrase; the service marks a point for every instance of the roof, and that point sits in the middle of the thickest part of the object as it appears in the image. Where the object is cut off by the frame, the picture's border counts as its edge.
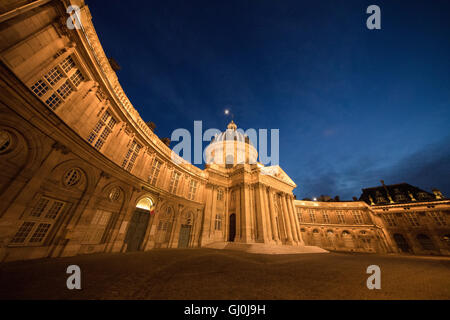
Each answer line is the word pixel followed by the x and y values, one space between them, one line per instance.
pixel 395 194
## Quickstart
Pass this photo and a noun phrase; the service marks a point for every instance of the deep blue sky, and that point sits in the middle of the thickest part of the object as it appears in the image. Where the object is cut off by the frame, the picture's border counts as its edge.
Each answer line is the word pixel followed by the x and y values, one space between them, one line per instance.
pixel 353 105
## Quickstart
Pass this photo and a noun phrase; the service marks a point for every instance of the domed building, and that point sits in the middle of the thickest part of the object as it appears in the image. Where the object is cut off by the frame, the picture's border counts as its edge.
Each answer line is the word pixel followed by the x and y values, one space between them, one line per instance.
pixel 82 172
pixel 230 148
pixel 246 202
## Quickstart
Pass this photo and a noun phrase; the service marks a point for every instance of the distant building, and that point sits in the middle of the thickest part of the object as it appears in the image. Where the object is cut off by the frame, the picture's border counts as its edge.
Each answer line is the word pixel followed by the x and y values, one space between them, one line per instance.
pixel 390 218
pixel 82 172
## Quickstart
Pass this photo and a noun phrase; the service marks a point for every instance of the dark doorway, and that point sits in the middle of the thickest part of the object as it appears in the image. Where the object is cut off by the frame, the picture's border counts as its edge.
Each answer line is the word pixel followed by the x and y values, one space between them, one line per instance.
pixel 137 229
pixel 232 232
pixel 185 233
pixel 401 242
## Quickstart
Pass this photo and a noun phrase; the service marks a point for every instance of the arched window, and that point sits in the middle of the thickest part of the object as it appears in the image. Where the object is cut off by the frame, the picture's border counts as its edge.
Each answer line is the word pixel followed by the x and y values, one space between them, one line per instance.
pixel 145 204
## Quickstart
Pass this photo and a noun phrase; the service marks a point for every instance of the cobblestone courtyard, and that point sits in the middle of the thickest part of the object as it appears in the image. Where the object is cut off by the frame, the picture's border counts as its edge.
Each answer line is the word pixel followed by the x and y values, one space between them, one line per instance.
pixel 221 274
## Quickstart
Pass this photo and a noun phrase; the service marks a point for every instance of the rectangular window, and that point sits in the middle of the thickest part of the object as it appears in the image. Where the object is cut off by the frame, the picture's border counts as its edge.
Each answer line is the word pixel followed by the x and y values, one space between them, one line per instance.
pixel 412 219
pixel 389 217
pixel 38 223
pixel 299 215
pixel 154 173
pixel 23 232
pixel 340 216
pixel 101 131
pixel 357 217
pixel 218 222
pixel 312 216
pixel 65 90
pixel 39 88
pixel 94 234
pixel 438 218
pixel 53 76
pixel 130 157
pixel 326 218
pixel 174 182
pixel 53 101
pixel 220 194
pixel 40 233
pixel 77 78
pixel 49 88
pixel 67 64
pixel 192 189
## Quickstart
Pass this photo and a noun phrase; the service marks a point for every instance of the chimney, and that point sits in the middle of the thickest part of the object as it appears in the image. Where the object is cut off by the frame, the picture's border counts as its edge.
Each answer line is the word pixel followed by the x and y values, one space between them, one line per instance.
pixel 151 125
pixel 114 65
pixel 166 141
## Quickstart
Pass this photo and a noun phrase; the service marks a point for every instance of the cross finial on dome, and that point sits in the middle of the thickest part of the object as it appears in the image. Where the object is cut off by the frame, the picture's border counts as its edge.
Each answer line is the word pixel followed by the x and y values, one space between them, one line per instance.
pixel 232 125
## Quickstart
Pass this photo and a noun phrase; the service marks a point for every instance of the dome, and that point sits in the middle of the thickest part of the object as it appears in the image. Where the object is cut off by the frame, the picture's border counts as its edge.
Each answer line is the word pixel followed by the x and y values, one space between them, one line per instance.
pixel 231 134
pixel 230 147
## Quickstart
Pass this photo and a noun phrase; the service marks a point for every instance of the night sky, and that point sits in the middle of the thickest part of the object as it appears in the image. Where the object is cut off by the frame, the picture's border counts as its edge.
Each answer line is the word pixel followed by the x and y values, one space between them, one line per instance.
pixel 353 105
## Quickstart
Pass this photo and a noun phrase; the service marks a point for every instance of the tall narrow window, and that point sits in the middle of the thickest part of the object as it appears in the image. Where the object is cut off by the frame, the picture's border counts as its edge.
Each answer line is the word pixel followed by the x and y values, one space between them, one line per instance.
pixel 38 223
pixel 438 217
pixel 326 218
pixel 192 189
pixel 357 217
pixel 299 215
pixel 220 194
pixel 131 156
pixel 56 86
pixel 174 182
pixel 218 222
pixel 312 216
pixel 340 216
pixel 102 130
pixel 389 217
pixel 154 173
pixel 412 219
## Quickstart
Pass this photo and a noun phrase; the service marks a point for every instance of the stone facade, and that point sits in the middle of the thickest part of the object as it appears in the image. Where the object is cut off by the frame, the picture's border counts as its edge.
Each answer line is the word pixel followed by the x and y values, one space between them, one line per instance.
pixel 82 172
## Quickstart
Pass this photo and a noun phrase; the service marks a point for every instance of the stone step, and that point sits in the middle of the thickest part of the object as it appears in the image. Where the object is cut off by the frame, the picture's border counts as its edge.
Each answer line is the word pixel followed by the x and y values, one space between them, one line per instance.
pixel 265 248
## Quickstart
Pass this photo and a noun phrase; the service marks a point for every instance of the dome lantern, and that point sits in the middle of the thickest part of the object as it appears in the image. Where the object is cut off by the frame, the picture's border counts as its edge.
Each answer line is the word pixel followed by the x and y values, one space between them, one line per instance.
pixel 232 126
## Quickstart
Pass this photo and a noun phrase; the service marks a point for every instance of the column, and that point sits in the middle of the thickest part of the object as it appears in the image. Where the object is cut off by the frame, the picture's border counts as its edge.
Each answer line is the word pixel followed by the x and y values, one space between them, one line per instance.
pixel 292 217
pixel 246 215
pixel 260 216
pixel 264 213
pixel 272 217
pixel 294 214
pixel 213 212
pixel 205 229
pixel 270 225
pixel 287 220
pixel 238 213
